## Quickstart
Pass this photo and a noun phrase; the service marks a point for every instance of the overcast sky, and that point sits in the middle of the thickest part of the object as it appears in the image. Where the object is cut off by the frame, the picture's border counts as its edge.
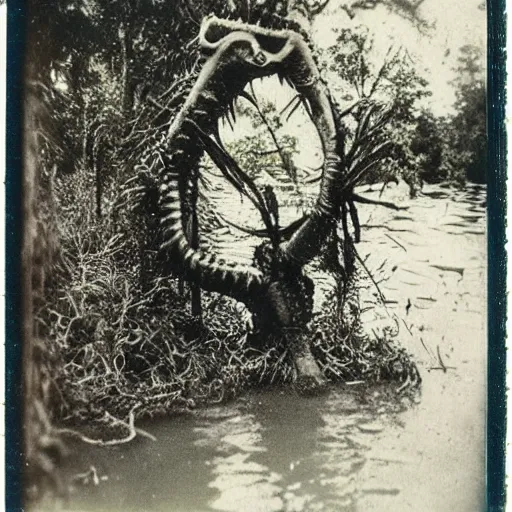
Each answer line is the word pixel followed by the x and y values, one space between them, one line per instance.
pixel 455 23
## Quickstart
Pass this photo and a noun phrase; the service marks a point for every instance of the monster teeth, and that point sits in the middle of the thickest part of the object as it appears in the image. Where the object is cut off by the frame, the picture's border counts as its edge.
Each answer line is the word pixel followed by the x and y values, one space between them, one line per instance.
pixel 170 177
pixel 170 230
pixel 189 121
pixel 188 253
pixel 168 244
pixel 173 216
pixel 208 96
pixel 228 120
pixel 209 259
pixel 194 260
pixel 172 196
pixel 171 207
pixel 232 110
pixel 183 245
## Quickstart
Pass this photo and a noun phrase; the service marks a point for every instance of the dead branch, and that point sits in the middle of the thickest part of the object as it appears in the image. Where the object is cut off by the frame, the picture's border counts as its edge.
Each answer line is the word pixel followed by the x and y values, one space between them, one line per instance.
pixel 133 431
pixel 365 200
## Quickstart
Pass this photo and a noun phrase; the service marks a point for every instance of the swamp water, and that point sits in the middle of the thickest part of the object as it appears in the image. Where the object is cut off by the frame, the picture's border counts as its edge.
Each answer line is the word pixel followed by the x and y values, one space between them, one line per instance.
pixel 355 448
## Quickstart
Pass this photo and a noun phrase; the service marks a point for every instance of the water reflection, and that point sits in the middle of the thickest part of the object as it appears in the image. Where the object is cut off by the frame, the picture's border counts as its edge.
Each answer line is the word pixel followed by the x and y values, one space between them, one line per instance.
pixel 246 472
pixel 282 452
pixel 242 482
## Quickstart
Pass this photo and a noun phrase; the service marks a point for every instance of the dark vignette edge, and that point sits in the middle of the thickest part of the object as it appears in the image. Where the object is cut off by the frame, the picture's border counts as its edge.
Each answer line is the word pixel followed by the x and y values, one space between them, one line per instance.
pixel 496 407
pixel 497 257
pixel 13 238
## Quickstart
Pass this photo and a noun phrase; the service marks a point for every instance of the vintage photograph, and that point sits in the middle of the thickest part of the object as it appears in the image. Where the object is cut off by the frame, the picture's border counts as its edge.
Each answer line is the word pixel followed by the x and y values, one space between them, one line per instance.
pixel 255 255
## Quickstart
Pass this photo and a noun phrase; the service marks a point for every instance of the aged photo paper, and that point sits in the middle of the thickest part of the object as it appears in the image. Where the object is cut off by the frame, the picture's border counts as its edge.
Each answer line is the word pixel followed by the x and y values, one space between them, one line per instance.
pixel 254 255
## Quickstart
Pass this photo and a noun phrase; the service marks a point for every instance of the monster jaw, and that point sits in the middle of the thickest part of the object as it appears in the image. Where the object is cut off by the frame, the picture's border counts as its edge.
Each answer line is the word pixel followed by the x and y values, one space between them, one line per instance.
pixel 285 53
pixel 239 54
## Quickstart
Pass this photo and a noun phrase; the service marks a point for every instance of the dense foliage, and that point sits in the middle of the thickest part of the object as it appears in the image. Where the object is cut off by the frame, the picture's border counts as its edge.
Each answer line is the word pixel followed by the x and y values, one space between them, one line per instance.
pixel 422 147
pixel 466 130
pixel 116 319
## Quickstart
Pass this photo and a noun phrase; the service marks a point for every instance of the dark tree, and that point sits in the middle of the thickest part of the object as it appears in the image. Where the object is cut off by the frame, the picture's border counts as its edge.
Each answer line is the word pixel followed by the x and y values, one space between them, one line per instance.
pixel 468 128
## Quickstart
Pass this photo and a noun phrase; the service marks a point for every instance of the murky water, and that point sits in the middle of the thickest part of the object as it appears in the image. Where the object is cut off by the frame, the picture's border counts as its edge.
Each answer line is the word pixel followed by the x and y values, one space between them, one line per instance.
pixel 355 448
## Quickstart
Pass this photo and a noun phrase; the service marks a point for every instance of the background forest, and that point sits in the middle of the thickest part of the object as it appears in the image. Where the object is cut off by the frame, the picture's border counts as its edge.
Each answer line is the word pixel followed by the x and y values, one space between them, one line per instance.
pixel 119 334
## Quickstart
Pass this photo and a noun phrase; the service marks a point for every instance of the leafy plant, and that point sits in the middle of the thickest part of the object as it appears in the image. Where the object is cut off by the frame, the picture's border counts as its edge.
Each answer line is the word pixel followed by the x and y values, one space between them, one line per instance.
pixel 379 85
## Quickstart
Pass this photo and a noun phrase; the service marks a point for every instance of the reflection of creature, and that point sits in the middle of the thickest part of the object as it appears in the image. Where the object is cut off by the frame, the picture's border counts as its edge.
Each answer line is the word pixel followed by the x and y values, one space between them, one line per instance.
pixel 272 445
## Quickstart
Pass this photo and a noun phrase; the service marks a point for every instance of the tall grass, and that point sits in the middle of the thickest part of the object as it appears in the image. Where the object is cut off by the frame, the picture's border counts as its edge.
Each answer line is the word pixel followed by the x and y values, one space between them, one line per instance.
pixel 123 340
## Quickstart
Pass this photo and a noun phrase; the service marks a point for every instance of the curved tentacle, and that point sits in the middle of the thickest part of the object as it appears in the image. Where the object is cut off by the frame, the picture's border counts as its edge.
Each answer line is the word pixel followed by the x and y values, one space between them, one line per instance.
pixel 307 240
pixel 204 105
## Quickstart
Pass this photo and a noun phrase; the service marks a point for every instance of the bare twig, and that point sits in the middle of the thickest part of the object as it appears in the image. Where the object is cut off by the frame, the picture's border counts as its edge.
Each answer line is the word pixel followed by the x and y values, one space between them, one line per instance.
pixel 112 442
pixel 397 243
pixel 443 366
pixel 381 295
pixel 365 200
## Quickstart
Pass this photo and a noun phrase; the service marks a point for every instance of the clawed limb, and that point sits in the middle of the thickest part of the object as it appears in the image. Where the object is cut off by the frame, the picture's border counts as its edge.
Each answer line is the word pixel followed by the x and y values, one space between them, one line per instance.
pixel 309 379
pixel 292 302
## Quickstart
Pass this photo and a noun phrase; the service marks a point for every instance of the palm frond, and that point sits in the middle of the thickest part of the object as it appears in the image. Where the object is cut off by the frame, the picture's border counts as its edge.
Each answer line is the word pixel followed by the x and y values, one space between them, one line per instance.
pixel 235 175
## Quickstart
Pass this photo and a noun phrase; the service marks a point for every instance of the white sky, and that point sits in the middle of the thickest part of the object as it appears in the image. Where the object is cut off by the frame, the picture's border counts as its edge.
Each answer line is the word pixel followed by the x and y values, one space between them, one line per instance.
pixel 455 23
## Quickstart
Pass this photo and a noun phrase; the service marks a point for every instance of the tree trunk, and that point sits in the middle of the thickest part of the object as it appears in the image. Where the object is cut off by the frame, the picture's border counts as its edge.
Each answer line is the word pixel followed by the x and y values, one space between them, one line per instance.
pixel 42 450
pixel 97 167
pixel 195 289
pixel 127 55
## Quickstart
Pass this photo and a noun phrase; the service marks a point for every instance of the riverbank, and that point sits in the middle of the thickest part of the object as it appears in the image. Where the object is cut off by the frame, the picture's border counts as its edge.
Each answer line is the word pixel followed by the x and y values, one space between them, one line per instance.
pixel 357 447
